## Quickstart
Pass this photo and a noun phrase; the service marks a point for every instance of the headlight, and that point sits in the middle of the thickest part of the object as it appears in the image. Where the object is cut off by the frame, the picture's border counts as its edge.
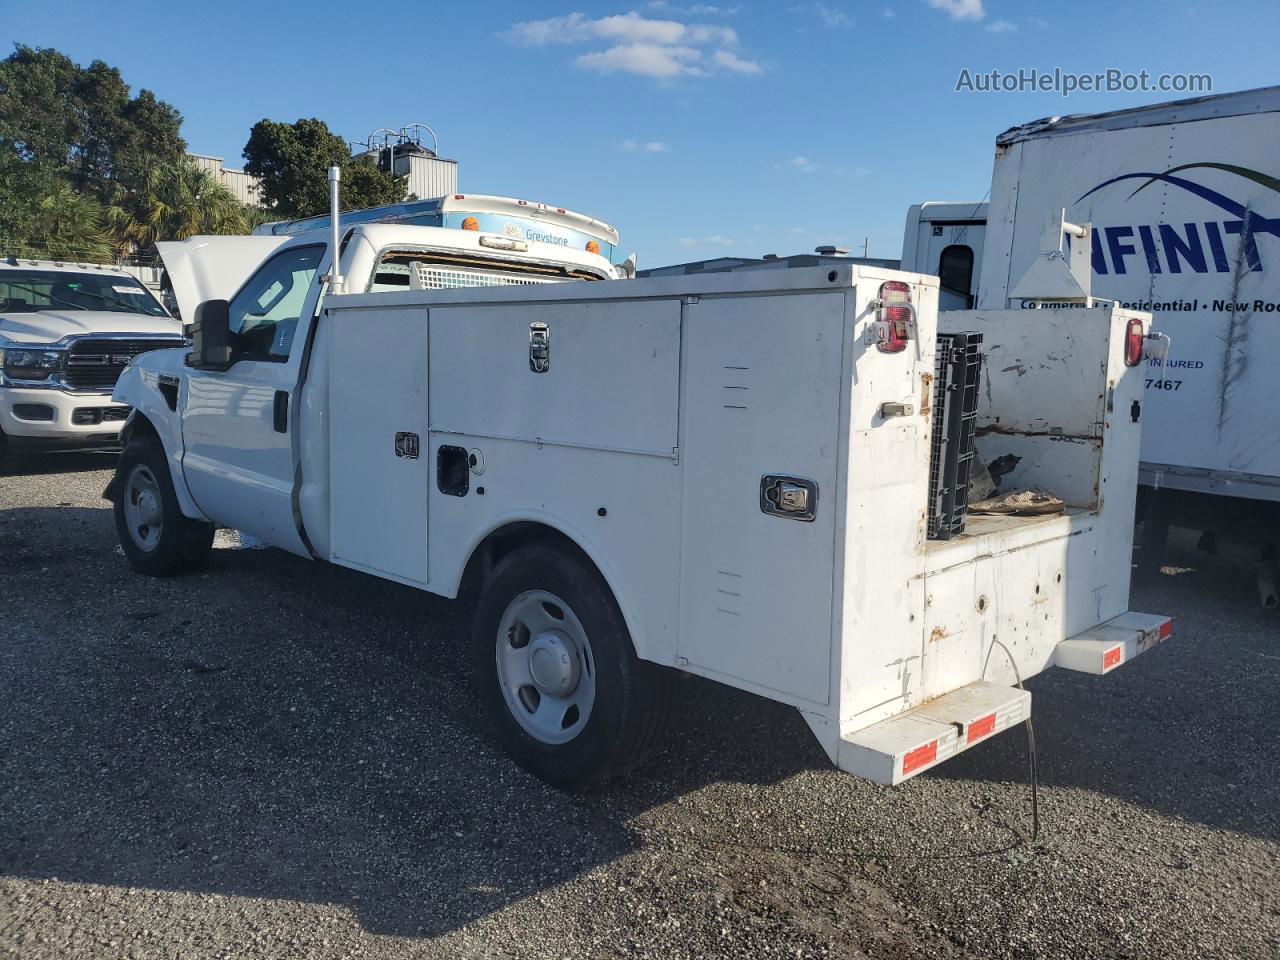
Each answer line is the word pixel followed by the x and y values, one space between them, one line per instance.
pixel 28 364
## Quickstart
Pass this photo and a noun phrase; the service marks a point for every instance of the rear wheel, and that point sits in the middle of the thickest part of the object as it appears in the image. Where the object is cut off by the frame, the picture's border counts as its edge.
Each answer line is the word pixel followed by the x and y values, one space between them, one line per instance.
pixel 555 668
pixel 156 537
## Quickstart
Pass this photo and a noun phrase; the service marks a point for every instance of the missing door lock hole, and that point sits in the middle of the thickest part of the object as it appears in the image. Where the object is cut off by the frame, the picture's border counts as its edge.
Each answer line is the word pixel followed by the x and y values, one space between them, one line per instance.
pixel 453 471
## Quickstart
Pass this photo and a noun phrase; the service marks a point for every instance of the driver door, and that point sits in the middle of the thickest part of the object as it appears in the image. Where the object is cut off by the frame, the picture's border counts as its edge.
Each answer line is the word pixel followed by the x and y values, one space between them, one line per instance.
pixel 236 423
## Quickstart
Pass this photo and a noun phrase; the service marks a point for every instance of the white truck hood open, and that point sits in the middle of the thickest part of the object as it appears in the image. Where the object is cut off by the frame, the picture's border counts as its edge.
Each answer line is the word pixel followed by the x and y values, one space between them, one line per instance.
pixel 50 326
pixel 212 268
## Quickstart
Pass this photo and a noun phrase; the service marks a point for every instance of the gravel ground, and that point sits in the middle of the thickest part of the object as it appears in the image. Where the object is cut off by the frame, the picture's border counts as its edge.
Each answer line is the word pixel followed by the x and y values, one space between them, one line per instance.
pixel 277 759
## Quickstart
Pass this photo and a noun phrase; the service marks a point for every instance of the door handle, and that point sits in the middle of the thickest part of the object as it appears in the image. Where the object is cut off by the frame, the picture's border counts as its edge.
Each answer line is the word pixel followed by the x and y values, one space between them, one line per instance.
pixel 281 412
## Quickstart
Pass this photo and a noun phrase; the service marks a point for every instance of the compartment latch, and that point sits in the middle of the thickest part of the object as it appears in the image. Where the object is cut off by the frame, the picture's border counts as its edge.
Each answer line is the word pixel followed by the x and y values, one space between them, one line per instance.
pixel 791 497
pixel 539 347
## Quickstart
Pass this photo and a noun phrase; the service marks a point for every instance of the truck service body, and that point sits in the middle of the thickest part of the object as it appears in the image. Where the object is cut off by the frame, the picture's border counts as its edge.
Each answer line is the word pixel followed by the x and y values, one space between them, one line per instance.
pixel 1184 199
pixel 725 474
pixel 67 330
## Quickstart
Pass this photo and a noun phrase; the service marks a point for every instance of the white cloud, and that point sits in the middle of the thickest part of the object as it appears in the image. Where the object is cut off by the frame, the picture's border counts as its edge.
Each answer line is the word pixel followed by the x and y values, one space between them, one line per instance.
pixel 734 63
pixel 1002 26
pixel 802 164
pixel 644 46
pixel 697 9
pixel 644 146
pixel 645 60
pixel 960 9
pixel 832 17
pixel 888 13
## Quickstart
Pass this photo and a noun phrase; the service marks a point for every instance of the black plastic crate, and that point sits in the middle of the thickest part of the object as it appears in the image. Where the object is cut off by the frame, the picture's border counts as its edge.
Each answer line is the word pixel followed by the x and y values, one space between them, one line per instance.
pixel 957 371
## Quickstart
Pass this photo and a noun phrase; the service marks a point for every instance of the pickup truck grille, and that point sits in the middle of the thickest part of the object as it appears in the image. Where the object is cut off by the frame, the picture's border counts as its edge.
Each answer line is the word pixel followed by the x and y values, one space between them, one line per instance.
pixel 432 277
pixel 97 364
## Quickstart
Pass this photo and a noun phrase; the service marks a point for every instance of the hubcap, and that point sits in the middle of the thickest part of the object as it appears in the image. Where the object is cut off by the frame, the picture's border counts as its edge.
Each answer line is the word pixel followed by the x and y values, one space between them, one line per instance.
pixel 143 509
pixel 545 667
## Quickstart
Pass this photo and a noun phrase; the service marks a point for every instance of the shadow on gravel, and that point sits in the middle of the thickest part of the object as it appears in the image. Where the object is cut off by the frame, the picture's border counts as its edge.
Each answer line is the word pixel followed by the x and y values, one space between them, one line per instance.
pixel 277 728
pixel 54 464
pixel 281 729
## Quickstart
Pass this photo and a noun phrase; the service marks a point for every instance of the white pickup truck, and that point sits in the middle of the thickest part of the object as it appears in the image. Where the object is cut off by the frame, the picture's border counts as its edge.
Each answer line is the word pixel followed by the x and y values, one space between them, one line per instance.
pixel 726 474
pixel 66 332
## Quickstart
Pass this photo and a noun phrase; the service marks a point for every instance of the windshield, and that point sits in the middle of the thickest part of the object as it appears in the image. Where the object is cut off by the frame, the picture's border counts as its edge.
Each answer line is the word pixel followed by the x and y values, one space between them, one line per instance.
pixel 28 291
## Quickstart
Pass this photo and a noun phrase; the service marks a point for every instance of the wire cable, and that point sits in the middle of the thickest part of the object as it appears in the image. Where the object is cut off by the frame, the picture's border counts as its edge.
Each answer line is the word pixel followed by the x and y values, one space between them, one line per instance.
pixel 1032 764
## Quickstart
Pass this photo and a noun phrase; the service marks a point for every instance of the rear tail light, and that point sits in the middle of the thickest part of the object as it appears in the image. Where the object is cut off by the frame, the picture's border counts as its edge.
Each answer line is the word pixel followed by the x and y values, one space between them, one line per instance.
pixel 1133 343
pixel 894 317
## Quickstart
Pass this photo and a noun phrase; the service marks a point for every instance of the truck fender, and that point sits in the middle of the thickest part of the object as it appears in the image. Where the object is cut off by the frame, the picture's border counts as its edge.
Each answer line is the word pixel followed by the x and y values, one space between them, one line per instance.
pixel 151 413
pixel 552 526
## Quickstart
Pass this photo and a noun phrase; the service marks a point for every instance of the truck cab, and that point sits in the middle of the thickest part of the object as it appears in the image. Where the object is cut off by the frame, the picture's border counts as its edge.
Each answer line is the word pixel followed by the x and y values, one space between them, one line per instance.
pixel 234 429
pixel 67 332
pixel 945 239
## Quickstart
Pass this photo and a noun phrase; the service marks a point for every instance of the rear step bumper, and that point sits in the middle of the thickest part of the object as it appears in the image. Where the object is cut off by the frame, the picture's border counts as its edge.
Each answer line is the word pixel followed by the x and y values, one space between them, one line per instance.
pixel 915 741
pixel 1103 648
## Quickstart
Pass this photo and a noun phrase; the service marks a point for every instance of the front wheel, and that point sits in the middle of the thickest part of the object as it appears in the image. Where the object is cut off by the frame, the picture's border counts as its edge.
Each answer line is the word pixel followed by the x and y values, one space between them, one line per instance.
pixel 556 670
pixel 156 537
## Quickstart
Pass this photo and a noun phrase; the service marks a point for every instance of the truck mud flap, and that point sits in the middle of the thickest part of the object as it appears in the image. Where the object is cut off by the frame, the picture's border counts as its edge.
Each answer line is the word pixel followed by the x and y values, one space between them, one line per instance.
pixel 1101 649
pixel 901 747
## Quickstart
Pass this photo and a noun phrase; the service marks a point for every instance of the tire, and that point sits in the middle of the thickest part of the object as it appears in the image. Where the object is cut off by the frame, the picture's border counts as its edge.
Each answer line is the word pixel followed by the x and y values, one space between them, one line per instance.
pixel 617 722
pixel 156 538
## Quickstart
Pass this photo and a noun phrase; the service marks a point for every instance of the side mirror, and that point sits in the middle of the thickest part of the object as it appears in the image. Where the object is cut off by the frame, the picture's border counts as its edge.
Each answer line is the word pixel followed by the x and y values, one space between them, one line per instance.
pixel 211 343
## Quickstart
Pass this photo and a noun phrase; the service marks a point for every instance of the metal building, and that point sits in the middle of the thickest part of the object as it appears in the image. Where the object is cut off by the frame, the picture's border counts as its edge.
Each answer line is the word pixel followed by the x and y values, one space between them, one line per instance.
pixel 244 187
pixel 429 176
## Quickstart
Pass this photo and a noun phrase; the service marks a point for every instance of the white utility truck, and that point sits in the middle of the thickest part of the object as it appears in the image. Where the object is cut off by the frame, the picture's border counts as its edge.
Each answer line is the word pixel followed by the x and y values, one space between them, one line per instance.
pixel 725 474
pixel 66 332
pixel 1185 197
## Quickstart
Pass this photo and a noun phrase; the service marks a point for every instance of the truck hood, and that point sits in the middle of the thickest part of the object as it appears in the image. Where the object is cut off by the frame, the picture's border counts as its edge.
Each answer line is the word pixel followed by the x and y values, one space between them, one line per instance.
pixel 212 268
pixel 50 326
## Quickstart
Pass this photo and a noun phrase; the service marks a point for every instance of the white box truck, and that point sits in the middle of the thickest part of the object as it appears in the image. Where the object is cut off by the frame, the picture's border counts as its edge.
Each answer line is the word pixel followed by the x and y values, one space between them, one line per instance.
pixel 724 474
pixel 1184 199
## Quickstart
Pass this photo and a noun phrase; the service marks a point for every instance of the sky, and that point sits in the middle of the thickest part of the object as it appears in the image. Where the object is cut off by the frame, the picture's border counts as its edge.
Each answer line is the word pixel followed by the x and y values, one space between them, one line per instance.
pixel 698 130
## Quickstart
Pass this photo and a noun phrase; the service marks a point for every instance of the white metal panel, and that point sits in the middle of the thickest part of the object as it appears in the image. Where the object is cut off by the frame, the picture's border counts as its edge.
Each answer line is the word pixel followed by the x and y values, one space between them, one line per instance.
pixel 762 396
pixel 1043 395
pixel 882 598
pixel 1167 200
pixel 378 499
pixel 212 268
pixel 635 544
pixel 613 381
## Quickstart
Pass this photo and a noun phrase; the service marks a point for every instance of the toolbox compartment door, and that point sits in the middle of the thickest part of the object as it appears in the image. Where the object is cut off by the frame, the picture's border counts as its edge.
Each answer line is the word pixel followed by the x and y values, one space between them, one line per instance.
pixel 763 396
pixel 612 379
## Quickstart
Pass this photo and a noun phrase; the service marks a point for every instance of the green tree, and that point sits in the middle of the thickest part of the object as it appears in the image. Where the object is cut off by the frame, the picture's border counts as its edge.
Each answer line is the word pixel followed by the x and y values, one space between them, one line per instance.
pixel 175 200
pixel 293 159
pixel 43 215
pixel 82 121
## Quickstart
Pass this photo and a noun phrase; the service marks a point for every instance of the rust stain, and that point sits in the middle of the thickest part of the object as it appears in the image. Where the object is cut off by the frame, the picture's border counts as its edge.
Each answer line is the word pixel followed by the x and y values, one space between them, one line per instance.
pixel 937 633
pixel 1053 433
pixel 926 388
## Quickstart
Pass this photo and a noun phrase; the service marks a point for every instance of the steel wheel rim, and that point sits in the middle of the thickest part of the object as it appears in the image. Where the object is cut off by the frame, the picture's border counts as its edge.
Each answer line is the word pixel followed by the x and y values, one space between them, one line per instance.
pixel 143 508
pixel 546 669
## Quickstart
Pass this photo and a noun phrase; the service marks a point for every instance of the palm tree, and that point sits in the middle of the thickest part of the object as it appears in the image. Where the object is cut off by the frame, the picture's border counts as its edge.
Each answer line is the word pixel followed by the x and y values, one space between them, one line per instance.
pixel 71 225
pixel 176 200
